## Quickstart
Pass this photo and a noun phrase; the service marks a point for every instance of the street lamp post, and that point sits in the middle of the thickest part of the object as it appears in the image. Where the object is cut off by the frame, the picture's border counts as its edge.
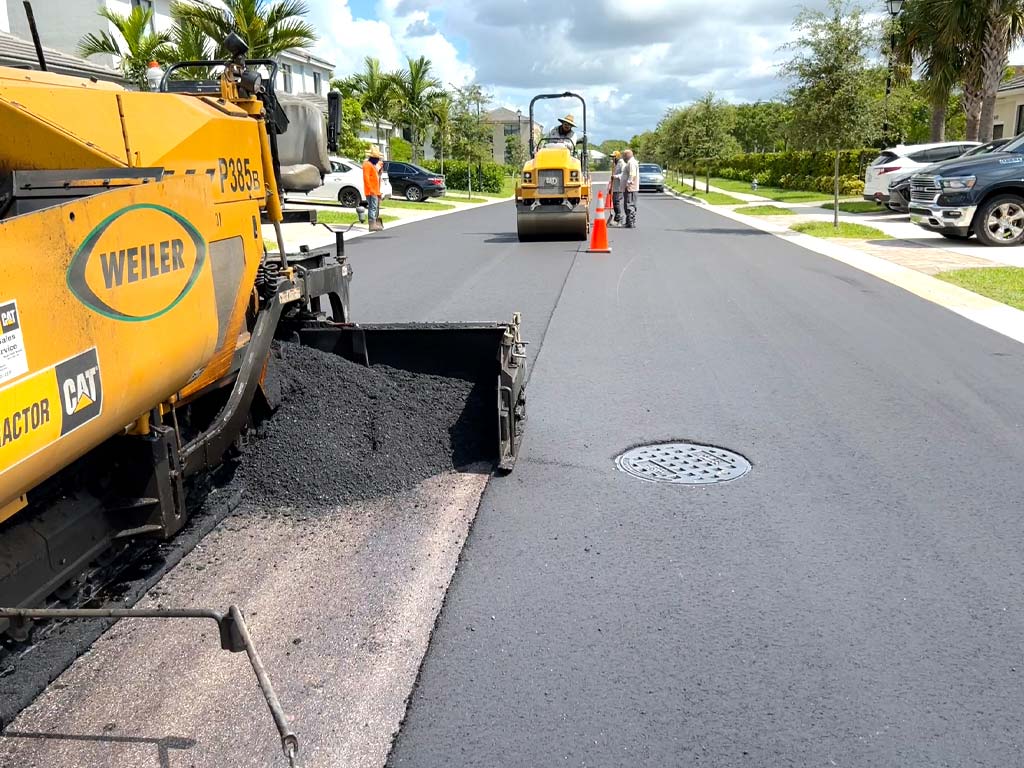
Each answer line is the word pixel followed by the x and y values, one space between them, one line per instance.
pixel 894 7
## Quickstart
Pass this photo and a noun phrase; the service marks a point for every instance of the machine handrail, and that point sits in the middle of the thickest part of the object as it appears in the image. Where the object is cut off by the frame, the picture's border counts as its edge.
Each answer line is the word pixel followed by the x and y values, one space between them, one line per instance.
pixel 564 95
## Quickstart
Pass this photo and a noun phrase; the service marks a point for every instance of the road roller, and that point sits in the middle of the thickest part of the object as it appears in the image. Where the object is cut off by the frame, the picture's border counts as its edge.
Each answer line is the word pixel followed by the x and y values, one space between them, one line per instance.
pixel 553 191
pixel 139 303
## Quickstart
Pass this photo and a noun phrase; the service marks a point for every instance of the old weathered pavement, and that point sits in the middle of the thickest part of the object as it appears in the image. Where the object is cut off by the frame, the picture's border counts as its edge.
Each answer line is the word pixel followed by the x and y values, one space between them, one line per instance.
pixel 855 600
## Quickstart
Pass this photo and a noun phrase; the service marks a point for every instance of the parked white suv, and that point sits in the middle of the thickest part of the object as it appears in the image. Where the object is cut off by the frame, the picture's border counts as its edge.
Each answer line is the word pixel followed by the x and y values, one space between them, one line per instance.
pixel 905 158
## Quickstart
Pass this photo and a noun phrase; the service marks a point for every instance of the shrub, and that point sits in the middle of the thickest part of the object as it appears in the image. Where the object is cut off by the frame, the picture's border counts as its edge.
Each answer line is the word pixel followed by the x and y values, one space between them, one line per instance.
pixel 811 171
pixel 490 177
pixel 401 150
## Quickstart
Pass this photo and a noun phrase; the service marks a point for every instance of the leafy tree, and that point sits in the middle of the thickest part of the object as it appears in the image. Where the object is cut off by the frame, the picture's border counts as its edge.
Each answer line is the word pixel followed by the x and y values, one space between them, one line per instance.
pixel 349 143
pixel 515 152
pixel 612 145
pixel 135 43
pixel 441 117
pixel 760 127
pixel 471 135
pixel 415 89
pixel 400 150
pixel 269 27
pixel 831 93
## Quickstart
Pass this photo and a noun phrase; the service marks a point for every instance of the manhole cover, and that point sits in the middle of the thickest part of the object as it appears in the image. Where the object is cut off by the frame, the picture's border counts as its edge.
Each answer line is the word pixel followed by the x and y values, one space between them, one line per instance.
pixel 683 463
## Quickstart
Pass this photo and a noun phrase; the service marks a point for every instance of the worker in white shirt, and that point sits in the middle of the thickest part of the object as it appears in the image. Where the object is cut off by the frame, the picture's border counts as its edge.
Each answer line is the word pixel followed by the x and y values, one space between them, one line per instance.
pixel 630 186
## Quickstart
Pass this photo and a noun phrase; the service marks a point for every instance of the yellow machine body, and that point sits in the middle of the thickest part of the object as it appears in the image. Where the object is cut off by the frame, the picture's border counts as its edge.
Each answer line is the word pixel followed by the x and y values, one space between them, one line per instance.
pixel 553 196
pixel 114 302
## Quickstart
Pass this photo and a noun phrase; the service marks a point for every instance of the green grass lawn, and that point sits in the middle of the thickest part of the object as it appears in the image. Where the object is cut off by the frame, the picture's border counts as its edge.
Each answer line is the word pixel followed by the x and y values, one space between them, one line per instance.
pixel 462 197
pixel 1005 284
pixel 846 229
pixel 338 217
pixel 857 206
pixel 765 210
pixel 426 205
pixel 772 193
pixel 713 198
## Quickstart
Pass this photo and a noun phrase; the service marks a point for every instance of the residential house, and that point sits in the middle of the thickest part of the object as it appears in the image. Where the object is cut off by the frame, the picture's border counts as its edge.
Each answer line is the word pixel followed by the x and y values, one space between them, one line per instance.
pixel 504 123
pixel 63 23
pixel 1009 117
pixel 301 72
pixel 16 52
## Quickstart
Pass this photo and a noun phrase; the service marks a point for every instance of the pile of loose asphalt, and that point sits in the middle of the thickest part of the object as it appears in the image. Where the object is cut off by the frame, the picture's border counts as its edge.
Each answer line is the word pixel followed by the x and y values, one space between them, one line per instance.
pixel 345 432
pixel 342 433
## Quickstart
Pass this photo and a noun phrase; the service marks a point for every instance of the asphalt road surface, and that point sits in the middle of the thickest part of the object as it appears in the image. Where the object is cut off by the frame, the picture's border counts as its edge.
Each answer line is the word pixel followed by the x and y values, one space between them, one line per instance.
pixel 854 600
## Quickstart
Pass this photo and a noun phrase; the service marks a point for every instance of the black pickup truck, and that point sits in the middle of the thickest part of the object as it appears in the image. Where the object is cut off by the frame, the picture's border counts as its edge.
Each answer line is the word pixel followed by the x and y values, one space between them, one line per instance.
pixel 981 195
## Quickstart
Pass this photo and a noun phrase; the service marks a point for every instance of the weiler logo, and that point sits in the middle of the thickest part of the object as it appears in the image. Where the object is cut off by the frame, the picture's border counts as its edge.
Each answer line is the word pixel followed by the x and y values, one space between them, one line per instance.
pixel 81 390
pixel 138 263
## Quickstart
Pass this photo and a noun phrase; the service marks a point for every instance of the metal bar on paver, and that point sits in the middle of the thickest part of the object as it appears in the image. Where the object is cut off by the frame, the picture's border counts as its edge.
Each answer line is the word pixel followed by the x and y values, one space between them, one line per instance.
pixel 234 637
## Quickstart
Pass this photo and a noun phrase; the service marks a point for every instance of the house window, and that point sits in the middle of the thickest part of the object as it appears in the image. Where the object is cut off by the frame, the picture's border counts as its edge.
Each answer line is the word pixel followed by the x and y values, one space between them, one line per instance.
pixel 286 74
pixel 1020 119
pixel 997 131
pixel 511 129
pixel 316 83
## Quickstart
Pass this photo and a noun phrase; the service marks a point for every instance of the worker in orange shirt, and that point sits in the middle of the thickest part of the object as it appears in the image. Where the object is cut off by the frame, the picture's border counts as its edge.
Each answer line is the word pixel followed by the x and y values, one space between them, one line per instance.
pixel 371 188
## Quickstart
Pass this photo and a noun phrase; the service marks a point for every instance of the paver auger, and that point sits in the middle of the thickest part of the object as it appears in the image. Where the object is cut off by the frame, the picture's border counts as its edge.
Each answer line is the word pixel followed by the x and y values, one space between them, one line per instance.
pixel 138 304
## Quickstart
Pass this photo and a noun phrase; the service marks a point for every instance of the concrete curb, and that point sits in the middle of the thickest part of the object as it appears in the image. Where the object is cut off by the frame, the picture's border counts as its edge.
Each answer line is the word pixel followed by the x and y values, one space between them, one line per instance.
pixel 686 198
pixel 993 315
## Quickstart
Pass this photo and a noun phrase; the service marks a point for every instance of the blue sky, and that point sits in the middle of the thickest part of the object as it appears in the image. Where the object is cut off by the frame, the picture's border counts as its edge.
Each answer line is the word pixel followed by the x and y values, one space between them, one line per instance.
pixel 631 59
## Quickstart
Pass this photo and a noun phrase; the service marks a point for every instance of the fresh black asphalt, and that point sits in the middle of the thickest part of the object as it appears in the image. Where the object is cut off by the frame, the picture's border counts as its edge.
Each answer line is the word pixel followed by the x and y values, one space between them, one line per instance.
pixel 855 600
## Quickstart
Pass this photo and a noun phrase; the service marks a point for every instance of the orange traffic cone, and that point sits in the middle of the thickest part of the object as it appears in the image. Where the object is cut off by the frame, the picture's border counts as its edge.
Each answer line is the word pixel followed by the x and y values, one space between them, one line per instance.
pixel 599 229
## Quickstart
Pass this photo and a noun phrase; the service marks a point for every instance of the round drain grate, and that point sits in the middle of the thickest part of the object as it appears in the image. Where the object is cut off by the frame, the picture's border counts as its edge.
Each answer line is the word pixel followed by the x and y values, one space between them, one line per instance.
pixel 683 463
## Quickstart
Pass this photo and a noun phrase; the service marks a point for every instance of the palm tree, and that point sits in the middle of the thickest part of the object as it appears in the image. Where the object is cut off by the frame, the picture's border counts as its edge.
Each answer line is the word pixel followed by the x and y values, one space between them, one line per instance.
pixel 415 90
pixel 190 43
pixel 269 27
pixel 441 112
pixel 984 32
pixel 942 66
pixel 141 44
pixel 375 90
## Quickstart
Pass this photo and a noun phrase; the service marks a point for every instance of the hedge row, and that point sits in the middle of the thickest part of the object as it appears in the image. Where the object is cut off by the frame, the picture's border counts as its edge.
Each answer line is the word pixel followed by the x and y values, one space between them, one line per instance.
pixel 848 185
pixel 811 171
pixel 489 177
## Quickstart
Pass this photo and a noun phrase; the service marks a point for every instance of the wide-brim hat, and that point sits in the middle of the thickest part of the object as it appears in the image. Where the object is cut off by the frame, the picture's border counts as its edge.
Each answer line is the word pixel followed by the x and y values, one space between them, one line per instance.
pixel 568 120
pixel 374 152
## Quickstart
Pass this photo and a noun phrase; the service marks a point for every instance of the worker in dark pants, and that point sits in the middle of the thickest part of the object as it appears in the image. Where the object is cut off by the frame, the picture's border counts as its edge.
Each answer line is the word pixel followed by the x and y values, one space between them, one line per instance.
pixel 630 186
pixel 615 189
pixel 371 188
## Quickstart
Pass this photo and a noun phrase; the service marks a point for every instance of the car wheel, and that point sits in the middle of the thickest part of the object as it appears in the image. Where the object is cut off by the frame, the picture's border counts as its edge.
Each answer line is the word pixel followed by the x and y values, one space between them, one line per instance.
pixel 413 193
pixel 955 236
pixel 349 197
pixel 1000 221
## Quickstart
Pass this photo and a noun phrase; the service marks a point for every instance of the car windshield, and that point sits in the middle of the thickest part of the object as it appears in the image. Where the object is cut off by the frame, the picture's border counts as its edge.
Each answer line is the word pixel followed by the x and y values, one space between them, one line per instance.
pixel 1017 145
pixel 649 168
pixel 984 149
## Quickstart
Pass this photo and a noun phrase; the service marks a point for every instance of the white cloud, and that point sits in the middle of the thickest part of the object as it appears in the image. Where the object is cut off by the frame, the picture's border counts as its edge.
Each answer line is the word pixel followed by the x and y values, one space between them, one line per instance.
pixel 631 59
pixel 400 29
